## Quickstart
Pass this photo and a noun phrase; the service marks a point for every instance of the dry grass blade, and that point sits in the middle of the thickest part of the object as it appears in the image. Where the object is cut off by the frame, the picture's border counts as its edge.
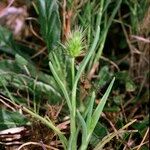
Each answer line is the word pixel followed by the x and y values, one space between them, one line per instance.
pixel 139 38
pixel 107 139
pixel 143 139
pixel 37 144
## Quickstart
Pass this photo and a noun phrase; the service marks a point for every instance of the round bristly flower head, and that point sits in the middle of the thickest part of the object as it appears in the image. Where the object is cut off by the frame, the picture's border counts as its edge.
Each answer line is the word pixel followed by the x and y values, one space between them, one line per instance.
pixel 74 43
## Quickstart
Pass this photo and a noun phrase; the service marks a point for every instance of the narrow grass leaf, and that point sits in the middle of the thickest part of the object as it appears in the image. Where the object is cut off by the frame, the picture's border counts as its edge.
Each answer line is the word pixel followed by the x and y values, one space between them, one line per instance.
pixel 110 136
pixel 99 108
pixel 49 22
pixel 105 31
pixel 62 86
pixel 83 126
pixel 90 109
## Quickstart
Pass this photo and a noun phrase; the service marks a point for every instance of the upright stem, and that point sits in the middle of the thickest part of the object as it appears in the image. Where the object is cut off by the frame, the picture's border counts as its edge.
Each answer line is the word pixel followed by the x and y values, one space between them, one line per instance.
pixel 72 70
pixel 72 141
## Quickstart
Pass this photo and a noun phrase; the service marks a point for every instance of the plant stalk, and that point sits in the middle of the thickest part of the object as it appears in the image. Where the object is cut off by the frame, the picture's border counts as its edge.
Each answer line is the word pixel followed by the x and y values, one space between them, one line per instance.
pixel 73 140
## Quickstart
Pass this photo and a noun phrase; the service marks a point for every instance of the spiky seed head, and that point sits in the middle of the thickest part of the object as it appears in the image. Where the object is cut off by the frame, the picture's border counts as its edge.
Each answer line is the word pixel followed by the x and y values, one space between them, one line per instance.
pixel 74 43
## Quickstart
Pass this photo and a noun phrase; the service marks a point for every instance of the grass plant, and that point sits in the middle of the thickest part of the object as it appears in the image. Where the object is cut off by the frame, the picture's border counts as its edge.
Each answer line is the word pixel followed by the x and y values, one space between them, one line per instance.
pixel 75 34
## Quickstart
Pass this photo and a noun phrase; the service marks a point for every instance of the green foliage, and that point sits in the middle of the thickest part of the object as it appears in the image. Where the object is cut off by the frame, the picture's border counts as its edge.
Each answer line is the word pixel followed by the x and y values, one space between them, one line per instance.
pixel 10 119
pixel 124 78
pixel 5 36
pixel 142 126
pixel 49 22
pixel 92 118
pixel 11 47
pixel 99 133
pixel 103 77
pixel 137 10
pixel 23 75
pixel 27 77
pixel 6 41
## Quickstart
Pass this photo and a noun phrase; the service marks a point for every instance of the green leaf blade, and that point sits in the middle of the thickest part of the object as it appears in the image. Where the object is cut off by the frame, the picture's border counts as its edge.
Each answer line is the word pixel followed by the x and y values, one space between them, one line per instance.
pixel 99 108
pixel 49 22
pixel 10 119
